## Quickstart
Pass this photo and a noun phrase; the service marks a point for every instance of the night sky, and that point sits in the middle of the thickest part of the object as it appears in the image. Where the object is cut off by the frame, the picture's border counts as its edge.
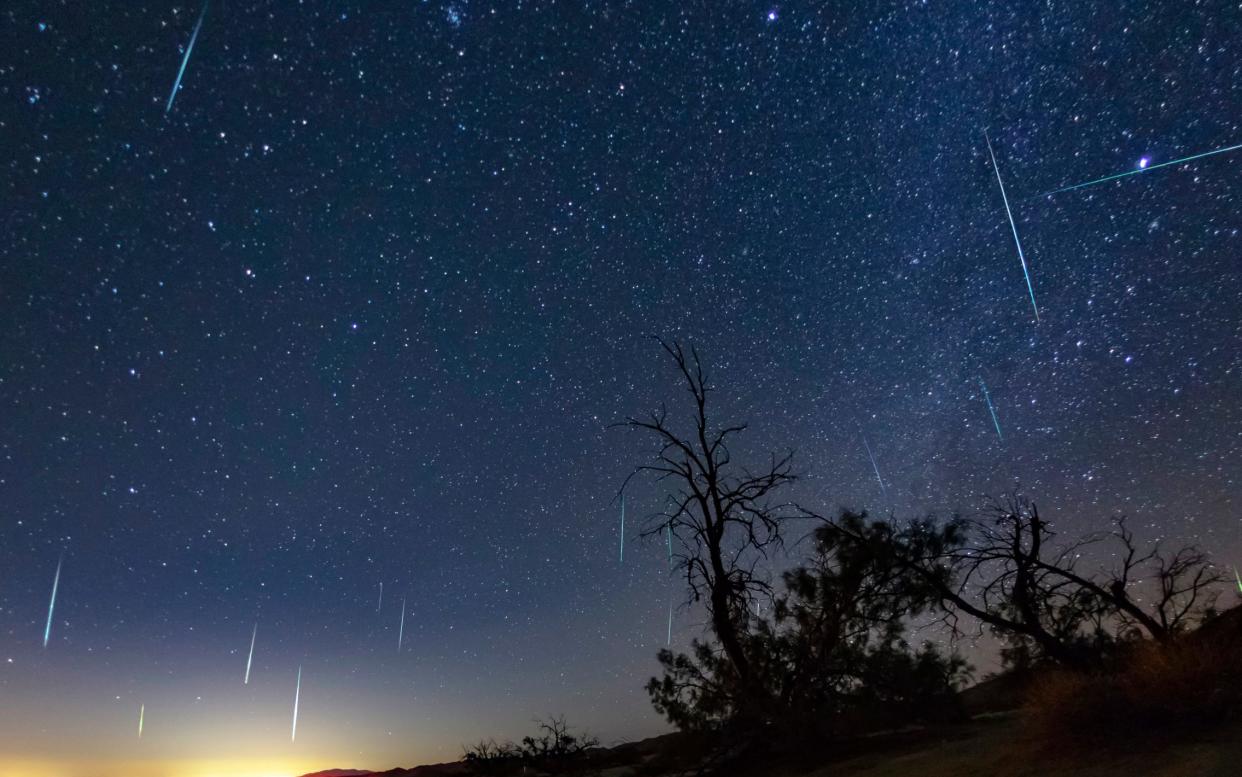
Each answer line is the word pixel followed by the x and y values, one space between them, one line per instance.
pixel 361 306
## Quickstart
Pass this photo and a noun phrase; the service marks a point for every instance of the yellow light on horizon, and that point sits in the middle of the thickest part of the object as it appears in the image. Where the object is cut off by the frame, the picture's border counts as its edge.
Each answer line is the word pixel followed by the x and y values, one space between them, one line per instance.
pixel 214 768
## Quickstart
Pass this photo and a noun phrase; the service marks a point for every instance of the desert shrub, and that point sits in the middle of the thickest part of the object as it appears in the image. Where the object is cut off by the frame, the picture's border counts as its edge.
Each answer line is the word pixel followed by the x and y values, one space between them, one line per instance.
pixel 555 749
pixel 1156 690
pixel 492 758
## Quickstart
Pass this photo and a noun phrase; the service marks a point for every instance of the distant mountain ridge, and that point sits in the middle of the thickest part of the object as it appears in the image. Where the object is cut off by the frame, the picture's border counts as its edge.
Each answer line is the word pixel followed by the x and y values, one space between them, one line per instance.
pixel 431 770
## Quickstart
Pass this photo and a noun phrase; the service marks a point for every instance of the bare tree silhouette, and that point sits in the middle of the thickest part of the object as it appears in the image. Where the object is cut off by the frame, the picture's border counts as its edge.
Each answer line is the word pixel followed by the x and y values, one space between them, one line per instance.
pixel 722 514
pixel 1004 571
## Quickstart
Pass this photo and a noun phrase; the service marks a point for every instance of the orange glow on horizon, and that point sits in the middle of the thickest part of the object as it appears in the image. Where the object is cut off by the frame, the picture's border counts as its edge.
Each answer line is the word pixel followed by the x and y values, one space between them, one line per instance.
pixel 188 768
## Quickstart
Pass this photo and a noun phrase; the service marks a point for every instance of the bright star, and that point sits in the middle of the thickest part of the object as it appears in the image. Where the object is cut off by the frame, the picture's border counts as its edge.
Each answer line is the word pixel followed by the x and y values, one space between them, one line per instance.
pixel 1144 162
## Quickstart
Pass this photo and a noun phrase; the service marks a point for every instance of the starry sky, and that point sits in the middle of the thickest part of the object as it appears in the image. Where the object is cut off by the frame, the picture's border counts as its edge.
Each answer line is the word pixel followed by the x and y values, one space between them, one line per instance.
pixel 360 308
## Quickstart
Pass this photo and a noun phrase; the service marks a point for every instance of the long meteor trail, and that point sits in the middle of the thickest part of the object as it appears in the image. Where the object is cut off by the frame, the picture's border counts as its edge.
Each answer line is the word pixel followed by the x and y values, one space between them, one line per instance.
pixel 186 59
pixel 47 630
pixel 380 603
pixel 1143 169
pixel 250 657
pixel 991 409
pixel 297 695
pixel 1021 257
pixel 142 711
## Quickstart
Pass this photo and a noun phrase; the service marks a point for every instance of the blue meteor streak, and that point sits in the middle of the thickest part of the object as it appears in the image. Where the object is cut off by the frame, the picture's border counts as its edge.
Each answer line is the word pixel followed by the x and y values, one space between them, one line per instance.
pixel 1143 168
pixel 47 631
pixel 991 409
pixel 186 59
pixel 1021 257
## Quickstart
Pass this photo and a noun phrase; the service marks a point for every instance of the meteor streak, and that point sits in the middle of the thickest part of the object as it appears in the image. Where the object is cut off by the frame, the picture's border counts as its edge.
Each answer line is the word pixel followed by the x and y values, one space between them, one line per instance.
pixel 142 711
pixel 623 528
pixel 250 657
pixel 1237 577
pixel 669 641
pixel 1021 257
pixel 401 628
pixel 874 466
pixel 47 630
pixel 991 409
pixel 186 59
pixel 380 604
pixel 1143 168
pixel 669 529
pixel 297 695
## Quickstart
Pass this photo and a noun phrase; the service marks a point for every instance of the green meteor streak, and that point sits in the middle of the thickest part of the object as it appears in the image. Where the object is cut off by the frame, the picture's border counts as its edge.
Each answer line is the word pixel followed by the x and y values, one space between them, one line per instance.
pixel 1238 577
pixel 142 711
pixel 1149 168
pixel 186 59
pixel 991 409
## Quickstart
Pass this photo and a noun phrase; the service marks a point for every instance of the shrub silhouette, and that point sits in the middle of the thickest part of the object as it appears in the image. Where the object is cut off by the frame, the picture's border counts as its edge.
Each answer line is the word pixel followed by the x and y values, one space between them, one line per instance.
pixel 554 749
pixel 1155 691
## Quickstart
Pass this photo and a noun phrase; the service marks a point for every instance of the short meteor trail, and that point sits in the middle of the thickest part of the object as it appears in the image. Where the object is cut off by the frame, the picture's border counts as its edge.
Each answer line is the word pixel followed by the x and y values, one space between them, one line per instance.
pixel 669 532
pixel 380 604
pixel 47 630
pixel 1143 169
pixel 401 628
pixel 875 466
pixel 669 641
pixel 186 59
pixel 1237 577
pixel 297 695
pixel 991 409
pixel 250 657
pixel 623 528
pixel 1021 257
pixel 142 711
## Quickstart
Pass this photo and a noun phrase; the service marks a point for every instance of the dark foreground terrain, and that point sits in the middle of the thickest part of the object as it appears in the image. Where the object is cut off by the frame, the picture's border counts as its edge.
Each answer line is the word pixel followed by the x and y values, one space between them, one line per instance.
pixel 990 745
pixel 1006 731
